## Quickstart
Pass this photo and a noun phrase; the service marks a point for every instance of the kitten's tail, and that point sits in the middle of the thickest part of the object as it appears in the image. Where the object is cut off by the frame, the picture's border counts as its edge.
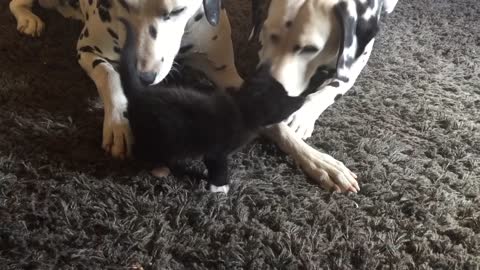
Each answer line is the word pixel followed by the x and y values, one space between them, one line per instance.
pixel 129 77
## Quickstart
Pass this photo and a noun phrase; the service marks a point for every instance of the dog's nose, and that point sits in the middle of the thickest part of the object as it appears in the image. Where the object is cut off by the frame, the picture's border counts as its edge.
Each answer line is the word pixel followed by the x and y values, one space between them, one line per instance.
pixel 147 77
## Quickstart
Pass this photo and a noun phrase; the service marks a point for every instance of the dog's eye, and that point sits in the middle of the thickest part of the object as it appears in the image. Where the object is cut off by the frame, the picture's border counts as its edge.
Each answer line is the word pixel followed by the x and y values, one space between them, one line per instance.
pixel 306 49
pixel 177 11
pixel 274 38
pixel 309 49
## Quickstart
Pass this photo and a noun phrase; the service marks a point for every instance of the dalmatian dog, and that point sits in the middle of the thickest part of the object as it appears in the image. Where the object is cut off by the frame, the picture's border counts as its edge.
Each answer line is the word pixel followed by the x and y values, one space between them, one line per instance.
pixel 301 38
pixel 198 31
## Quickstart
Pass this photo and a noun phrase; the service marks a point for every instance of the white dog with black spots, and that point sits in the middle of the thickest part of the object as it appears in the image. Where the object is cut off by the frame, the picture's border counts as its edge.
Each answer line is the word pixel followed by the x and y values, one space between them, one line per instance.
pixel 302 37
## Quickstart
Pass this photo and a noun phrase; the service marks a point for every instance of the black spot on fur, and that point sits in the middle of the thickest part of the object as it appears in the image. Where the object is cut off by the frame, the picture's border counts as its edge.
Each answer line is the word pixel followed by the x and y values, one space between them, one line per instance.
pixel 112 33
pixel 215 37
pixel 87 49
pixel 222 67
pixel 98 49
pixel 361 7
pixel 153 31
pixel 366 31
pixel 348 35
pixel 85 33
pixel 104 15
pixel 186 48
pixel 349 61
pixel 117 50
pixel 86 16
pixel 103 7
pixel 347 23
pixel 104 4
pixel 90 2
pixel 288 24
pixel 124 5
pixel 97 62
pixel 198 17
pixel 343 78
pixel 337 97
pixel 79 56
pixel 74 4
pixel 334 84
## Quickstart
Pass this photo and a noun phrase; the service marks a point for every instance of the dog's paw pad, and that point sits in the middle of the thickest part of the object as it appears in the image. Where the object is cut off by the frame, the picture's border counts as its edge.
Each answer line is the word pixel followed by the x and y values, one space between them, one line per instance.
pixel 223 189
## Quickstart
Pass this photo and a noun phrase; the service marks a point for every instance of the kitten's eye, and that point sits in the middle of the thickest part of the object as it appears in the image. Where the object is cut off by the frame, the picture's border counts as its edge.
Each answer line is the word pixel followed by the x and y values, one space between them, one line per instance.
pixel 309 49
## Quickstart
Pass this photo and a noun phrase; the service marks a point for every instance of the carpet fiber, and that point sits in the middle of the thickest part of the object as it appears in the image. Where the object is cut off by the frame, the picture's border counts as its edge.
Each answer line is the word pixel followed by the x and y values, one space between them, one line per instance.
pixel 409 128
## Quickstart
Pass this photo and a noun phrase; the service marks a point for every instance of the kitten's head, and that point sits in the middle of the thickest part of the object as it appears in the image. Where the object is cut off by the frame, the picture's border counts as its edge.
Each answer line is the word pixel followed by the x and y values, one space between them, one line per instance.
pixel 264 100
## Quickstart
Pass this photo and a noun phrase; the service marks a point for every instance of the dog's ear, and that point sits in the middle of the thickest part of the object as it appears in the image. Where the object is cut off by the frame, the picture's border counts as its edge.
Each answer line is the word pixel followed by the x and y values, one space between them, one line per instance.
pixel 259 14
pixel 356 31
pixel 212 11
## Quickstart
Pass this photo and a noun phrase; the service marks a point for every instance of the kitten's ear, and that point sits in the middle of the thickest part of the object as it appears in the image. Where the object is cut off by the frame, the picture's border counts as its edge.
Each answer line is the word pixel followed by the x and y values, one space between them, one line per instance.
pixel 263 70
pixel 259 14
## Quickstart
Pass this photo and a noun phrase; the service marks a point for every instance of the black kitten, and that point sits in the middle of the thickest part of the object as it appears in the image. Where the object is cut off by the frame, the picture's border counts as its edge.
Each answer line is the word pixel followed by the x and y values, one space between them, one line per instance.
pixel 174 123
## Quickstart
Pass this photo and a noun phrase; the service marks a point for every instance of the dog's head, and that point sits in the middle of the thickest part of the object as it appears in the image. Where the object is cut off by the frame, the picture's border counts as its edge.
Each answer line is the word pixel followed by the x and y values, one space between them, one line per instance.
pixel 160 25
pixel 264 100
pixel 298 36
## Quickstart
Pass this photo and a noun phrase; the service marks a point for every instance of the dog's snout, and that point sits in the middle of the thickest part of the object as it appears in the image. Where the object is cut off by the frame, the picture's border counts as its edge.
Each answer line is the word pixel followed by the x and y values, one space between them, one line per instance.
pixel 147 78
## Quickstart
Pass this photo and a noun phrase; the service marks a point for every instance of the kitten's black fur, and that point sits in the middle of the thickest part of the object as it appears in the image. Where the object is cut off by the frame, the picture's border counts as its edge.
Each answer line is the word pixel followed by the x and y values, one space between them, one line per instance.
pixel 173 123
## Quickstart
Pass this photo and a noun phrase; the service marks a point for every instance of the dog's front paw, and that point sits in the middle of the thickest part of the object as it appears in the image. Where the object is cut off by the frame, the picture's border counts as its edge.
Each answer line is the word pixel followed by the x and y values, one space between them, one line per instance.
pixel 117 136
pixel 302 121
pixel 328 172
pixel 30 24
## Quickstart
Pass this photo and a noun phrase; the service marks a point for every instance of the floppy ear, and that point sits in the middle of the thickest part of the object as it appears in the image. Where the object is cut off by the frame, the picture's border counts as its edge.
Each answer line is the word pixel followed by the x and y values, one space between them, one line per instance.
pixel 356 31
pixel 259 11
pixel 212 11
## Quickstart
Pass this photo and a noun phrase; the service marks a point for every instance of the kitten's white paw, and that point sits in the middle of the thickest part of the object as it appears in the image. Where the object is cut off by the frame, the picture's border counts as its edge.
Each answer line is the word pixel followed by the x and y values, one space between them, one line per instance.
pixel 161 172
pixel 223 189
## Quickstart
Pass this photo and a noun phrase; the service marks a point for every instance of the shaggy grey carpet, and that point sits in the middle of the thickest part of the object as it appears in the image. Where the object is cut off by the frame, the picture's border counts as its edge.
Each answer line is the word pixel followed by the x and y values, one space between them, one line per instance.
pixel 409 128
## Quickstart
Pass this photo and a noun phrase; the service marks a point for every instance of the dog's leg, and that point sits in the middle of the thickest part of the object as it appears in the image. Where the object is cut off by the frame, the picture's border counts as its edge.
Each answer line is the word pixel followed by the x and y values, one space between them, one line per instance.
pixel 303 120
pixel 211 51
pixel 27 22
pixel 323 169
pixel 117 137
pixel 217 166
